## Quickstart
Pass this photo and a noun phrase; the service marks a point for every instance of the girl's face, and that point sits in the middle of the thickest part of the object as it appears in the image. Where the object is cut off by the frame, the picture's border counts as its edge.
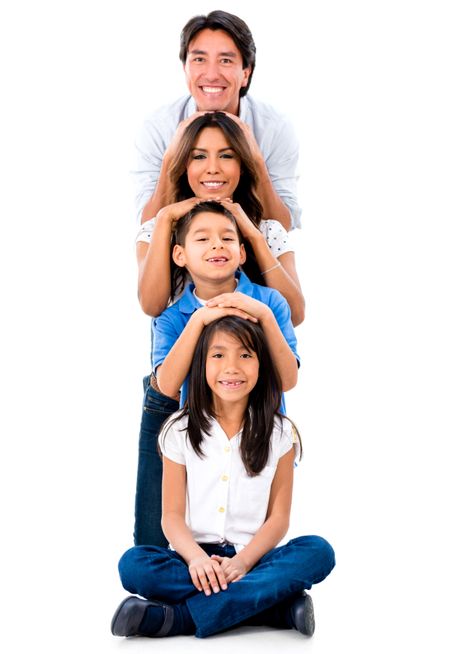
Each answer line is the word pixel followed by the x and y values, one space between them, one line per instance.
pixel 213 169
pixel 231 369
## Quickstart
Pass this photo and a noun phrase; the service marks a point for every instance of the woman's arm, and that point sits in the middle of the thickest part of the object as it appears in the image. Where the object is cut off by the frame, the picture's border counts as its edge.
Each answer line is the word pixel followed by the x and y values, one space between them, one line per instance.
pixel 273 529
pixel 205 572
pixel 283 278
pixel 154 259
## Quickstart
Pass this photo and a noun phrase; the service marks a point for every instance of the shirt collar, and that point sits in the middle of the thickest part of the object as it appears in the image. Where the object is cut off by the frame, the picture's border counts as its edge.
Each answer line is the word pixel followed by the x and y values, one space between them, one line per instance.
pixel 188 303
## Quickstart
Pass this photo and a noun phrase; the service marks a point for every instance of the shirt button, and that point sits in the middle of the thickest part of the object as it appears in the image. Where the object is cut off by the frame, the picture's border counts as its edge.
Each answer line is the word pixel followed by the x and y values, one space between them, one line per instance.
pixel 221 509
pixel 227 448
pixel 224 478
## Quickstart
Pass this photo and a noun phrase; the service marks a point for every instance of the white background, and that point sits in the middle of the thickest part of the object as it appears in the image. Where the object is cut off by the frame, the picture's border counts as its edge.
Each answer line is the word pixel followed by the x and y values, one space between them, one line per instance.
pixel 366 84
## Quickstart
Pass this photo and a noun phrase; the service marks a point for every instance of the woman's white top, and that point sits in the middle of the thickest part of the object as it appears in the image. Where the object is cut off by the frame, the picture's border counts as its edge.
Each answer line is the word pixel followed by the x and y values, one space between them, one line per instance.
pixel 223 503
pixel 278 239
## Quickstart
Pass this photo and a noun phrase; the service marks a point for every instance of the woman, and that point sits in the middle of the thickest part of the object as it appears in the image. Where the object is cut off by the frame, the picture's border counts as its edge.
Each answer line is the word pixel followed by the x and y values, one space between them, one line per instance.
pixel 214 162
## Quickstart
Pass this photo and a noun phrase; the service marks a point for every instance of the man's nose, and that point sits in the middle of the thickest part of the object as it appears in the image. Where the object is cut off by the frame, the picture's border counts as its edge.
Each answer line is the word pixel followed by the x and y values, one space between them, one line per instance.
pixel 212 71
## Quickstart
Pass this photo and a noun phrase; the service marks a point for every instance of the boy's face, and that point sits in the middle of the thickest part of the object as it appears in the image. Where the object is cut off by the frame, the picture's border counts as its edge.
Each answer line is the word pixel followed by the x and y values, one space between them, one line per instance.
pixel 211 251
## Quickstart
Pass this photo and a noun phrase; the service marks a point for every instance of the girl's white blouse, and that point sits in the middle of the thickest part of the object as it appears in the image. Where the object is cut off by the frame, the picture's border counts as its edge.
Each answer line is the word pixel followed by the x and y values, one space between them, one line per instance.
pixel 223 503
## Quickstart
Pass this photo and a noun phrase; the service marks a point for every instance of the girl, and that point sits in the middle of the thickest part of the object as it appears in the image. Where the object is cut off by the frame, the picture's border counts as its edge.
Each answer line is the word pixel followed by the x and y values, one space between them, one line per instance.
pixel 214 162
pixel 227 484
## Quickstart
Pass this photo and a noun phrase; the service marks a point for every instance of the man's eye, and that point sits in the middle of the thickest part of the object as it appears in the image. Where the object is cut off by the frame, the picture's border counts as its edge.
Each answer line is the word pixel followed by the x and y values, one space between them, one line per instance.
pixel 226 61
pixel 198 59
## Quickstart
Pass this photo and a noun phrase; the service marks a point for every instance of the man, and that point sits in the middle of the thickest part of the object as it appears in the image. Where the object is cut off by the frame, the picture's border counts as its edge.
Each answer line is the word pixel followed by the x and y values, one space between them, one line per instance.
pixel 218 56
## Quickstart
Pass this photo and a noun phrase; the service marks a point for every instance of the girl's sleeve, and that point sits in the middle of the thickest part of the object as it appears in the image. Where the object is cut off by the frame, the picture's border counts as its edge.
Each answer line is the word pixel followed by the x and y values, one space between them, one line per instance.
pixel 172 443
pixel 289 438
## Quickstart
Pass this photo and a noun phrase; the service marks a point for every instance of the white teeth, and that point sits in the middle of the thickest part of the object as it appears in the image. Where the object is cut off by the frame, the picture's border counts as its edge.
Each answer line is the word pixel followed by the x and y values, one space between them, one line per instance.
pixel 231 383
pixel 212 89
pixel 213 184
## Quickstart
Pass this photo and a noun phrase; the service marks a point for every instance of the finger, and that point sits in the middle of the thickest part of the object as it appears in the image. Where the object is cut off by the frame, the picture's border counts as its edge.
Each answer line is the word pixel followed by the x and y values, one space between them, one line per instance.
pixel 220 575
pixel 212 577
pixel 204 582
pixel 216 557
pixel 195 580
pixel 237 579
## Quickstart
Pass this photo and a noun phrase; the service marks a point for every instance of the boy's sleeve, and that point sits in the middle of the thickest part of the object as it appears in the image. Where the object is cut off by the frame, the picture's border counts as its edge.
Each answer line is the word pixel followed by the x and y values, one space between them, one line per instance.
pixel 166 330
pixel 282 313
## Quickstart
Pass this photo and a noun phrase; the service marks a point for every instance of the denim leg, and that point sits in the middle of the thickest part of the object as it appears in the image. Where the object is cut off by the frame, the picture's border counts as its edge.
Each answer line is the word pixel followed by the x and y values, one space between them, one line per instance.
pixel 155 410
pixel 281 573
pixel 156 573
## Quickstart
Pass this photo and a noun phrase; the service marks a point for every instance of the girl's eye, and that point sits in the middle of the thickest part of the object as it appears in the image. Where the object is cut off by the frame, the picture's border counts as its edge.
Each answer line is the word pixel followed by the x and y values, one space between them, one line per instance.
pixel 247 356
pixel 217 355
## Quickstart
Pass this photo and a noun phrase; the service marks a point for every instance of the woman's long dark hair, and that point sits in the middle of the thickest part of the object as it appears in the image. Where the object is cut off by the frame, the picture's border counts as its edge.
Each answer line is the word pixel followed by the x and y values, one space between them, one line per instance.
pixel 263 402
pixel 245 193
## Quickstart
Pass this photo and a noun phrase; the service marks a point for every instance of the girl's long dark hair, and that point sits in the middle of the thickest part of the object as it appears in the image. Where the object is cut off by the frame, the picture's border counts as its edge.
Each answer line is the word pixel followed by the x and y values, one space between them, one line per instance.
pixel 245 193
pixel 263 402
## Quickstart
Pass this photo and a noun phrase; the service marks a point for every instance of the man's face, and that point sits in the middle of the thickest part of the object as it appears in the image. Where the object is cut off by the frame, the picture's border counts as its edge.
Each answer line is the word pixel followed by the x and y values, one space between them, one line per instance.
pixel 214 71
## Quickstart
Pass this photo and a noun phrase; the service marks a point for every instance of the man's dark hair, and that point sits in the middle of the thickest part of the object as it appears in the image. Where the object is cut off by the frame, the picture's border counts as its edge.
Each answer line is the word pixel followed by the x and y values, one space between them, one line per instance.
pixel 232 25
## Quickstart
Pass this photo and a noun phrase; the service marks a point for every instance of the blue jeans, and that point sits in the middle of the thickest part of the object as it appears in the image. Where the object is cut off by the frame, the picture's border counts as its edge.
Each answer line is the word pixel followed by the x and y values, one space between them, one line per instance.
pixel 156 409
pixel 282 573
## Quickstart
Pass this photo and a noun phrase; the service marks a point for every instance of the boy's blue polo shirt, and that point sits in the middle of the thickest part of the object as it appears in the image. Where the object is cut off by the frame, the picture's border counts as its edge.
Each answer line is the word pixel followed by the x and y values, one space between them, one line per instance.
pixel 169 325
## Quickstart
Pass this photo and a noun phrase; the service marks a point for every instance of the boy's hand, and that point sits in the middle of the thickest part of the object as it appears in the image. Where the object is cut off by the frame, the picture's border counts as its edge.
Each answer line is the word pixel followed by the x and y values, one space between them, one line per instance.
pixel 252 307
pixel 208 314
pixel 233 568
pixel 206 573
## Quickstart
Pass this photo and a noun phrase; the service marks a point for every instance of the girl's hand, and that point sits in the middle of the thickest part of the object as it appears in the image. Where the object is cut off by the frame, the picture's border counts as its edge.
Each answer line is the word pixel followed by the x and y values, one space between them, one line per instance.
pixel 173 212
pixel 208 314
pixel 233 568
pixel 246 227
pixel 206 573
pixel 242 302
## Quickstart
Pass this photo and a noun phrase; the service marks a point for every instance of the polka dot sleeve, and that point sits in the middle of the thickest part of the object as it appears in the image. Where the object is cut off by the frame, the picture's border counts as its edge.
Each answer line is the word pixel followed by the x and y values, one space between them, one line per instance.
pixel 278 239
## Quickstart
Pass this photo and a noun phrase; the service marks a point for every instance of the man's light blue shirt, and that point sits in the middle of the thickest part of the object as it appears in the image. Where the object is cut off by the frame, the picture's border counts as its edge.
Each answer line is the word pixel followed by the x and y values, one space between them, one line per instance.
pixel 169 325
pixel 274 134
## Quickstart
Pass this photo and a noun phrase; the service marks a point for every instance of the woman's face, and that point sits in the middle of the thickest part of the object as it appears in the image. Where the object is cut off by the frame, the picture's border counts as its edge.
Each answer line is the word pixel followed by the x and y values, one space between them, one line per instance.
pixel 214 168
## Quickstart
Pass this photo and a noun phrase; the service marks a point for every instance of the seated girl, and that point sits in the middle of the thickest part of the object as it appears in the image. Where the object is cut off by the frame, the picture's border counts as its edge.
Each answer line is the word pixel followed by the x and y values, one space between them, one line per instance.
pixel 228 460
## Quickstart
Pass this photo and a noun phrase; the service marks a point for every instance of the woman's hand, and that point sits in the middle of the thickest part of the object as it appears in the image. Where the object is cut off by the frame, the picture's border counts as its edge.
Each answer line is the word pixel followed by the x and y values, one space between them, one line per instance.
pixel 233 568
pixel 208 314
pixel 173 212
pixel 206 573
pixel 247 228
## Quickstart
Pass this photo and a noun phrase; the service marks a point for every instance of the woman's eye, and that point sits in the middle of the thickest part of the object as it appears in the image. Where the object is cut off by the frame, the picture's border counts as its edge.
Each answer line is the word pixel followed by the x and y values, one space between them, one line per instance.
pixel 198 156
pixel 227 156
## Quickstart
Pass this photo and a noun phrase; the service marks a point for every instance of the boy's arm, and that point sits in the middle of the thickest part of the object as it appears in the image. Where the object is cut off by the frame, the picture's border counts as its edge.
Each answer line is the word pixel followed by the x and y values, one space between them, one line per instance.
pixel 280 350
pixel 174 369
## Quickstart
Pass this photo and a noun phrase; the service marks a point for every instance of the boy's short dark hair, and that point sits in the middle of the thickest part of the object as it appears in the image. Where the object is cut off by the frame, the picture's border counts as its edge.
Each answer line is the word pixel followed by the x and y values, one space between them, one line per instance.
pixel 232 25
pixel 210 206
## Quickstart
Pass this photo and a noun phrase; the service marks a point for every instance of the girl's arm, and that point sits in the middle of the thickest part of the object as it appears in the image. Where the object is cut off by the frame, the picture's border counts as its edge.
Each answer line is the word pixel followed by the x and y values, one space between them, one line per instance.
pixel 174 369
pixel 281 353
pixel 284 277
pixel 205 572
pixel 273 529
pixel 154 259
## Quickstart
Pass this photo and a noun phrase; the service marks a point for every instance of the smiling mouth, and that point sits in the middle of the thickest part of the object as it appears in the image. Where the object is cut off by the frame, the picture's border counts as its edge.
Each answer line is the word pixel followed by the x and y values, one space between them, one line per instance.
pixel 231 384
pixel 213 185
pixel 217 260
pixel 211 90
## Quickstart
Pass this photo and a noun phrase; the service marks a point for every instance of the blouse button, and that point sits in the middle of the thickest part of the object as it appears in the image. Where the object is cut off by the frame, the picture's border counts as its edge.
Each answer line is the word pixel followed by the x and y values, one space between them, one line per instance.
pixel 221 509
pixel 227 448
pixel 224 478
